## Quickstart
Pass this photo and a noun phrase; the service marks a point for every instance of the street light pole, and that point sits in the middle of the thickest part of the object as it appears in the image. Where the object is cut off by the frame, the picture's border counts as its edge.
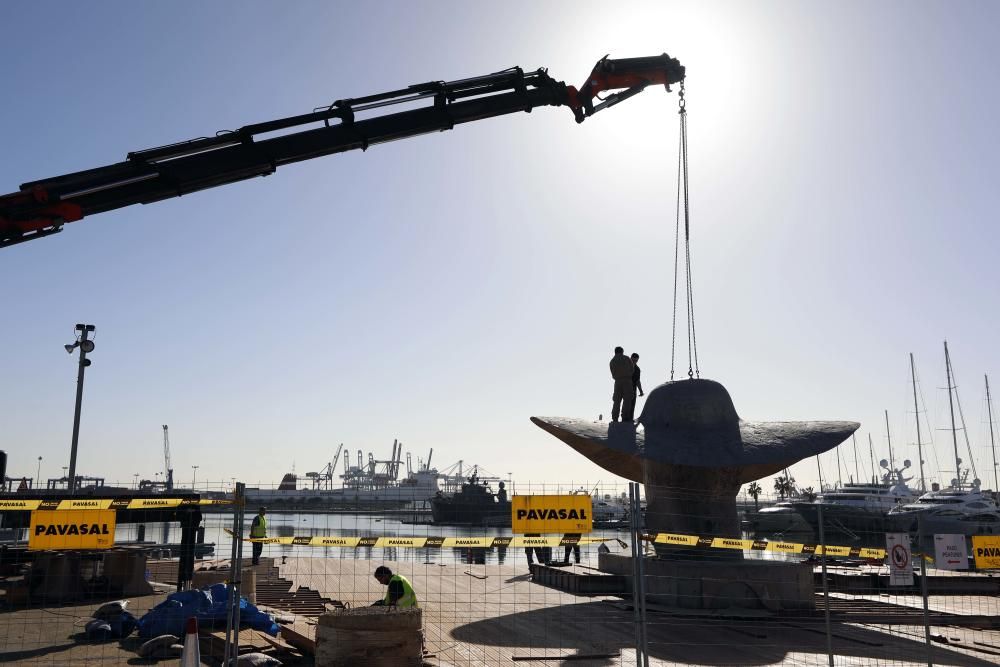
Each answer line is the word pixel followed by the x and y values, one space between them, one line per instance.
pixel 85 346
pixel 39 474
pixel 194 475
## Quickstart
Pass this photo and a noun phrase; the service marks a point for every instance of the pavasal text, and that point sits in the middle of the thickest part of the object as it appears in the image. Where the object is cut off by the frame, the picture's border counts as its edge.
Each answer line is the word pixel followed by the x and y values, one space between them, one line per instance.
pixel 72 529
pixel 551 514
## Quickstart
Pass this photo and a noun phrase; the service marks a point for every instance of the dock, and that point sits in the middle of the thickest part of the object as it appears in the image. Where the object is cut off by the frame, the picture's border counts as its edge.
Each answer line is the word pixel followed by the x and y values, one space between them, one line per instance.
pixel 502 614
pixel 496 615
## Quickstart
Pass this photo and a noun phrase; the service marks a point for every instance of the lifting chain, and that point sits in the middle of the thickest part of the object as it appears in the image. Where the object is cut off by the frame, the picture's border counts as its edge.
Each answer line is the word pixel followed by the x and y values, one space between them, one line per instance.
pixel 682 195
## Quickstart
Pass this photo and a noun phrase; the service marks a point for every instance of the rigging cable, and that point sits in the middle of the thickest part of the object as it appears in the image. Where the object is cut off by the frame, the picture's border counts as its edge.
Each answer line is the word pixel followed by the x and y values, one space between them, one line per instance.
pixel 682 188
pixel 677 245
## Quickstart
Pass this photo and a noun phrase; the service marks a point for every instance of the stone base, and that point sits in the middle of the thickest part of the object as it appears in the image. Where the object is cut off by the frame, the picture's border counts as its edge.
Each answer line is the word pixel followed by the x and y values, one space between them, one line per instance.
pixel 746 584
pixel 370 636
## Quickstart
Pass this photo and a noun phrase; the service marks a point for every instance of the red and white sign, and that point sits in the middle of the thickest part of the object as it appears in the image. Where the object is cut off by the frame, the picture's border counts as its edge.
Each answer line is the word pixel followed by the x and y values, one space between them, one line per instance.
pixel 897 548
pixel 950 552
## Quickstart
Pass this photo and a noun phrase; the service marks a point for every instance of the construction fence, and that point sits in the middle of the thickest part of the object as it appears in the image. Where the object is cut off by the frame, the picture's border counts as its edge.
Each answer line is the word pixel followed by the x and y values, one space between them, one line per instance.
pixel 718 582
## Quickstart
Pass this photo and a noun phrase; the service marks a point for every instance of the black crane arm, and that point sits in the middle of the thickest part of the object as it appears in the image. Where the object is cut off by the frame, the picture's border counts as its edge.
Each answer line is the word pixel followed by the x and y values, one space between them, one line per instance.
pixel 41 208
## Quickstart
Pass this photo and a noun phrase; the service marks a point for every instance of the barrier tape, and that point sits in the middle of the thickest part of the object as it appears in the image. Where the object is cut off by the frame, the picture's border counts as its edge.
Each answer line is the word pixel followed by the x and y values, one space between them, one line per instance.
pixel 7 504
pixel 674 539
pixel 426 542
pixel 522 541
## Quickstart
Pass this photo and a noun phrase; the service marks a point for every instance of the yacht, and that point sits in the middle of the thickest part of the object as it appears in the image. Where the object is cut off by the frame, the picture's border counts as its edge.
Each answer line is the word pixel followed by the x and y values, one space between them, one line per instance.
pixel 858 512
pixel 960 509
pixel 776 520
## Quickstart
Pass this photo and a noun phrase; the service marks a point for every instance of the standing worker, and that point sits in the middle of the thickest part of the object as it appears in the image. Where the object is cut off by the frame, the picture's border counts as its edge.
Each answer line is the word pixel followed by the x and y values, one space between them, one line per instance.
pixel 636 386
pixel 400 592
pixel 258 529
pixel 621 372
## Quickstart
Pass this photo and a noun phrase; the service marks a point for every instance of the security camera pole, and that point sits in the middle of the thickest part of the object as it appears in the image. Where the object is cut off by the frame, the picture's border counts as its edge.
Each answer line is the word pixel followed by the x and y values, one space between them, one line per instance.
pixel 85 346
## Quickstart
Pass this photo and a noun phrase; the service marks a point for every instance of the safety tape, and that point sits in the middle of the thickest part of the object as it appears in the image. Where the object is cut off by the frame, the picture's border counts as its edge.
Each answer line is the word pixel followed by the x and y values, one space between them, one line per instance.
pixel 426 542
pixel 674 539
pixel 8 505
pixel 522 541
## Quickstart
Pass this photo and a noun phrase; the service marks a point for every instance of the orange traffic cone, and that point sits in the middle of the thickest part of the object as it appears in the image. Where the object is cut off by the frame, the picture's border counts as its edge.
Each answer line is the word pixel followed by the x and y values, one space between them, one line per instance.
pixel 191 657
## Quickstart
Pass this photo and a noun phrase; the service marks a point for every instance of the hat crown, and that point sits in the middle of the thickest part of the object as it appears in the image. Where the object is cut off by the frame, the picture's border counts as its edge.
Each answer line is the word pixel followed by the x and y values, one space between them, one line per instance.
pixel 691 403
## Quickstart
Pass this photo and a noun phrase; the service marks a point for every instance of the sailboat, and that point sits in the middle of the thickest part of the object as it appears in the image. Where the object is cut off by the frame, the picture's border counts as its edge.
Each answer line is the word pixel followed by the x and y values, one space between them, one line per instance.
pixel 961 509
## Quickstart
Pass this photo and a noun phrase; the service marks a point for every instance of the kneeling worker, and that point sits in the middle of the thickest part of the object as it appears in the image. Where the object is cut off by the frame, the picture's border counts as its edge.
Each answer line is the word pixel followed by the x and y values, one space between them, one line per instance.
pixel 400 592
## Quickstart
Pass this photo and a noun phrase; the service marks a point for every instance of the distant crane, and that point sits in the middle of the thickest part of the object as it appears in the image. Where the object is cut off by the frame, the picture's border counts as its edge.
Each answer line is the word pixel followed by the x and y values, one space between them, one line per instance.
pixel 324 478
pixel 168 480
pixel 168 470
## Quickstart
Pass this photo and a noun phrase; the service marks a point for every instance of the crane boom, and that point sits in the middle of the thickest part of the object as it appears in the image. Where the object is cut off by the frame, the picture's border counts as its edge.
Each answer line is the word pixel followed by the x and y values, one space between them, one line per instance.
pixel 168 470
pixel 41 208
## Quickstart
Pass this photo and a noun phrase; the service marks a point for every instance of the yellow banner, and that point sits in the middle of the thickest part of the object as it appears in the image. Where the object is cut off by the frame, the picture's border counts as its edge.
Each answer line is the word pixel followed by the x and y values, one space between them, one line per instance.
pixel 349 542
pixel 785 547
pixel 153 503
pixel 730 543
pixel 481 542
pixel 986 551
pixel 673 538
pixel 383 542
pixel 76 529
pixel 85 504
pixel 8 504
pixel 833 551
pixel 552 514
pixel 22 505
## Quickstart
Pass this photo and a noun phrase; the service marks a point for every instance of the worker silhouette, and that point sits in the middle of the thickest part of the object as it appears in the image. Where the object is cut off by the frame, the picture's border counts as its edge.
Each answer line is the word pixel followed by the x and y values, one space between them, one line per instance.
pixel 629 413
pixel 621 372
pixel 258 530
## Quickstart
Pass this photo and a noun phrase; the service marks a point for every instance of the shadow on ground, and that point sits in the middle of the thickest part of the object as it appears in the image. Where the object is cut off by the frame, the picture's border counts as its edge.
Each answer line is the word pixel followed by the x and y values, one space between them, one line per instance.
pixel 606 627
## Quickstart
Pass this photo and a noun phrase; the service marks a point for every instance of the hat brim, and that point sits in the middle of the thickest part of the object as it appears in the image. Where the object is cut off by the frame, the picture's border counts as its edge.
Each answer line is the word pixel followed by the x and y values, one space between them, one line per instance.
pixel 764 447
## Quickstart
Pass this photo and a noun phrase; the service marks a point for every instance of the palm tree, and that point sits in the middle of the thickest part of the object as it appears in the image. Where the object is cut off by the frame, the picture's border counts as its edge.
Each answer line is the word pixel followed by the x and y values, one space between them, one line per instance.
pixel 755 490
pixel 784 485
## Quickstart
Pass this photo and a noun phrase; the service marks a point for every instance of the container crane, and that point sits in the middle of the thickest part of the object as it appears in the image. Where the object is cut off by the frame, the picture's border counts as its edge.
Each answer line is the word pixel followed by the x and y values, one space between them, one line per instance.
pixel 168 472
pixel 41 208
pixel 324 478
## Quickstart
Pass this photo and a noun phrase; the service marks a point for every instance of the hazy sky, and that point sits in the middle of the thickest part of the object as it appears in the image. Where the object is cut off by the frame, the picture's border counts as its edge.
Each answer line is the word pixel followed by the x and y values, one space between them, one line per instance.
pixel 441 290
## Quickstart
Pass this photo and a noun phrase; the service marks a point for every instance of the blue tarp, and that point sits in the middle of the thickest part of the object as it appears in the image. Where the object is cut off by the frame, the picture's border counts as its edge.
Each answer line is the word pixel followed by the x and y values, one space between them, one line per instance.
pixel 208 605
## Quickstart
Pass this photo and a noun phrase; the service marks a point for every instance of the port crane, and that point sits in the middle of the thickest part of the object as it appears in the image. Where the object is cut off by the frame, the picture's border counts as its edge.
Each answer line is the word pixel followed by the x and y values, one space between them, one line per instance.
pixel 324 478
pixel 168 471
pixel 41 208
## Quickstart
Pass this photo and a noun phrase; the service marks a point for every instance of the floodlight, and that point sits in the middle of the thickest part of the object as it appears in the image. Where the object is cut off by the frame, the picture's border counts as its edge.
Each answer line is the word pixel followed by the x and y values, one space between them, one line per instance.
pixel 70 348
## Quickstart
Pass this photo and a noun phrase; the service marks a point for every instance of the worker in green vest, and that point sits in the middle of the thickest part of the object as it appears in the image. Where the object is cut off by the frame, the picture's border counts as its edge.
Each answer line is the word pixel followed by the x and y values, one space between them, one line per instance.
pixel 258 528
pixel 400 592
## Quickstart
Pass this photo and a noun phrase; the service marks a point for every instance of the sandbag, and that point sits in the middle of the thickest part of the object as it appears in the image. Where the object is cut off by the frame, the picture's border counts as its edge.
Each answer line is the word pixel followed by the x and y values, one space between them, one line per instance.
pixel 160 647
pixel 112 626
pixel 98 630
pixel 257 660
pixel 110 609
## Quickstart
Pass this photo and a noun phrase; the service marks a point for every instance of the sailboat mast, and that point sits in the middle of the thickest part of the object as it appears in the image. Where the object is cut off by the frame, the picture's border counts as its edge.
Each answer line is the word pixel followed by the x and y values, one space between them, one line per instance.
pixel 857 472
pixel 820 469
pixel 871 453
pixel 892 463
pixel 840 479
pixel 916 413
pixel 951 406
pixel 993 444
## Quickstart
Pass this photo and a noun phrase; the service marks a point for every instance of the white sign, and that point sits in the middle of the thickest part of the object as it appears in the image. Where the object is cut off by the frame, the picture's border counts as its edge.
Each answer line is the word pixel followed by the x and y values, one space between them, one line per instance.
pixel 950 552
pixel 897 548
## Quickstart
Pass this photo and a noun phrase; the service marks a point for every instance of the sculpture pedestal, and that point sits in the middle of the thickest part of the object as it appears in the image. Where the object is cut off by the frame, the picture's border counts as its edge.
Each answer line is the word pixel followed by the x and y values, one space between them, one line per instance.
pixel 706 584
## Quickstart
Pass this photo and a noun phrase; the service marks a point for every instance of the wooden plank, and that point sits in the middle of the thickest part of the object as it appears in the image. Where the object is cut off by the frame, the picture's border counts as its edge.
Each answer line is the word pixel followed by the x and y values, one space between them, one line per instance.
pixel 300 634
